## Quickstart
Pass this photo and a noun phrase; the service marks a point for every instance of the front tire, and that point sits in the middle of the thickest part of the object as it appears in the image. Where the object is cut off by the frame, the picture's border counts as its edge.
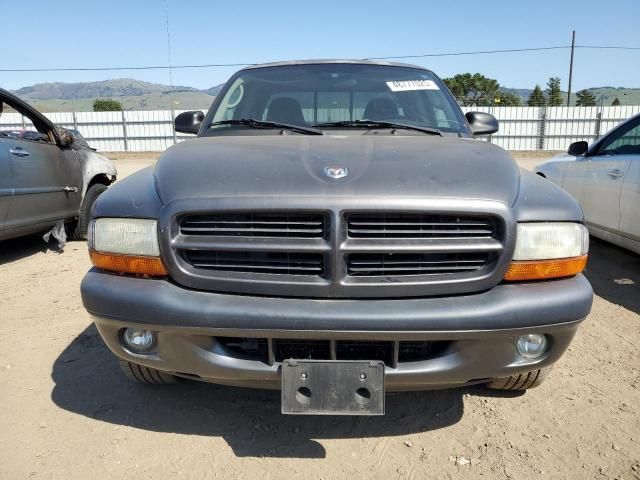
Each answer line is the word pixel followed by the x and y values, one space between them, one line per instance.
pixel 78 229
pixel 148 376
pixel 523 381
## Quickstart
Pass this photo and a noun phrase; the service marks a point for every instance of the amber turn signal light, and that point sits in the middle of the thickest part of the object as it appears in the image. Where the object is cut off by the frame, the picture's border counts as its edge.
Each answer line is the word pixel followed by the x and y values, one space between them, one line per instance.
pixel 544 269
pixel 137 265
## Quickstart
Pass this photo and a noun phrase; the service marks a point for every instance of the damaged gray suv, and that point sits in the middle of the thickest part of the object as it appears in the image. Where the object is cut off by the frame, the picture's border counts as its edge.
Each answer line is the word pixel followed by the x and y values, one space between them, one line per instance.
pixel 49 177
pixel 335 231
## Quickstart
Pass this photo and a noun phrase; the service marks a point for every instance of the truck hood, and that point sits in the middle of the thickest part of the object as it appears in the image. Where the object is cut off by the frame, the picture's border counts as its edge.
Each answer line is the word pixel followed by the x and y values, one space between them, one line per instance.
pixel 378 165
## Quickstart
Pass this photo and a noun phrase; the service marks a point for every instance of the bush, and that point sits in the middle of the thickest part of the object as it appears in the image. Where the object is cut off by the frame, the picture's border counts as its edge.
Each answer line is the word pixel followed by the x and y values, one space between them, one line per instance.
pixel 106 105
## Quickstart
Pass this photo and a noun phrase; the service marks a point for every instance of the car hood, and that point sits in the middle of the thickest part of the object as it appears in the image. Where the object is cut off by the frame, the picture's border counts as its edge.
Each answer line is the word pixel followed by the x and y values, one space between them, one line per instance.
pixel 378 165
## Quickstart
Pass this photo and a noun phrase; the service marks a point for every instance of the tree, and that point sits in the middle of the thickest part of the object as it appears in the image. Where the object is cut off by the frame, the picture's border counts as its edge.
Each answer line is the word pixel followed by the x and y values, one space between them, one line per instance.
pixel 106 105
pixel 537 98
pixel 507 99
pixel 615 102
pixel 584 98
pixel 473 89
pixel 554 95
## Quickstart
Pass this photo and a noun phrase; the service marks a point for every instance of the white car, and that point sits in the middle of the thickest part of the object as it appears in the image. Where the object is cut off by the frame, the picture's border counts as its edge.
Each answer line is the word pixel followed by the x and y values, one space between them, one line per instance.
pixel 605 179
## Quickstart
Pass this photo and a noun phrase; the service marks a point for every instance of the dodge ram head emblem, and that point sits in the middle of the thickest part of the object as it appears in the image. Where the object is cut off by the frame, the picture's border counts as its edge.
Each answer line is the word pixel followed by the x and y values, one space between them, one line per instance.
pixel 336 172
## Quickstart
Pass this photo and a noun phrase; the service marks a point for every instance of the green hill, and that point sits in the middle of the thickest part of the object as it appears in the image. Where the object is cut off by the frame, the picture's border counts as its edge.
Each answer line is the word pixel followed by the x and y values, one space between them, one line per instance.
pixel 150 101
pixel 133 94
pixel 139 95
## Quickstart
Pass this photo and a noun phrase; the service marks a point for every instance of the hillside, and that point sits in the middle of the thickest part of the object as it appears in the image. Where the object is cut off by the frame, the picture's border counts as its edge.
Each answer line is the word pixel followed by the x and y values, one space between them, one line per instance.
pixel 106 89
pixel 133 94
pixel 151 101
pixel 139 95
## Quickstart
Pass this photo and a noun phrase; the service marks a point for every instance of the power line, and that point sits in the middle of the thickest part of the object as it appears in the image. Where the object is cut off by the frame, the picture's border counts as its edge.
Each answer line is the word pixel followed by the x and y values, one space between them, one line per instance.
pixel 396 57
pixel 477 52
pixel 100 69
pixel 612 47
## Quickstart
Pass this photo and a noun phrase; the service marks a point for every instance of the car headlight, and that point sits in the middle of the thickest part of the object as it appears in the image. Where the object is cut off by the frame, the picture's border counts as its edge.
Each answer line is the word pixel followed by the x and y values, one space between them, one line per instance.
pixel 548 250
pixel 126 245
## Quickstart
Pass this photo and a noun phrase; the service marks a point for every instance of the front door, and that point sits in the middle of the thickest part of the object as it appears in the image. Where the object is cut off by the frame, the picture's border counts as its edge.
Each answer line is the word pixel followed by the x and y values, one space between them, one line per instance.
pixel 46 182
pixel 6 183
pixel 46 178
pixel 597 179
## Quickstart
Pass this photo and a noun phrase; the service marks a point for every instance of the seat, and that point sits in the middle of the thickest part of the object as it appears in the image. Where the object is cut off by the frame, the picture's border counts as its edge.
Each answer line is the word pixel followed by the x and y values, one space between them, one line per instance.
pixel 381 108
pixel 285 110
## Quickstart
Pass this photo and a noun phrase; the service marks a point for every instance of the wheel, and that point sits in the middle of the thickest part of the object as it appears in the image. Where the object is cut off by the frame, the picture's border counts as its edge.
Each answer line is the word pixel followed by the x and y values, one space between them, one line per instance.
pixel 146 375
pixel 523 381
pixel 78 229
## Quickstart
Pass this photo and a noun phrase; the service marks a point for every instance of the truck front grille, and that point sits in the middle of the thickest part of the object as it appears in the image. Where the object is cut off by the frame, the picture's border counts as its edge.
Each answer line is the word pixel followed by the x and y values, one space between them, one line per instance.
pixel 336 253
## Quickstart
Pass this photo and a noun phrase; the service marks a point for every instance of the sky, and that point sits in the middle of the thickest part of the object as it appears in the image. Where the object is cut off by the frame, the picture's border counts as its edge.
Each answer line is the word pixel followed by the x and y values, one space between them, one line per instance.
pixel 125 33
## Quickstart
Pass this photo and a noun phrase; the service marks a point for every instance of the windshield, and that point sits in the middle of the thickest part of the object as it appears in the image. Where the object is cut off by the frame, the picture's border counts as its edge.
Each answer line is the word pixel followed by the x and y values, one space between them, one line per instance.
pixel 321 94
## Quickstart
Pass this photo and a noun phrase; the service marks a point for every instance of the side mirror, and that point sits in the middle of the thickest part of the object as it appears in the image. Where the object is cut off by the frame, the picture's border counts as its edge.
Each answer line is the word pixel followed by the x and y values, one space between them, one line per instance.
pixel 66 137
pixel 189 122
pixel 578 149
pixel 482 123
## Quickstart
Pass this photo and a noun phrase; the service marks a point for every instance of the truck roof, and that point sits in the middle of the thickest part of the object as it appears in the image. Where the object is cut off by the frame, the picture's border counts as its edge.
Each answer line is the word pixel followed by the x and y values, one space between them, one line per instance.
pixel 333 61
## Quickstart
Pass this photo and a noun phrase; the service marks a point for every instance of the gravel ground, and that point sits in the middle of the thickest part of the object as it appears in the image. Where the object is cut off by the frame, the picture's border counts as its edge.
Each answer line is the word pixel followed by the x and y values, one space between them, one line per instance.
pixel 69 414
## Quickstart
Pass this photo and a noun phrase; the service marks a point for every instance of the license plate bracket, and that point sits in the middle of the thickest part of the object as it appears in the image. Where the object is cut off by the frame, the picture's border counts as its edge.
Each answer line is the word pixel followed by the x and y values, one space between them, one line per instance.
pixel 332 387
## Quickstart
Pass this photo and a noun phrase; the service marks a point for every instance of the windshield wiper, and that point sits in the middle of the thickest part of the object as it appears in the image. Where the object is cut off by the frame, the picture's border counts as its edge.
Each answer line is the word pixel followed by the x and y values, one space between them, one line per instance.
pixel 378 124
pixel 254 123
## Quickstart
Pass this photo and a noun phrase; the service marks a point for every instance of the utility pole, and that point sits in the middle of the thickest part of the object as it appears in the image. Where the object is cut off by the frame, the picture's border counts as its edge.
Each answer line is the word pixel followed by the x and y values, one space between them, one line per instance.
pixel 573 46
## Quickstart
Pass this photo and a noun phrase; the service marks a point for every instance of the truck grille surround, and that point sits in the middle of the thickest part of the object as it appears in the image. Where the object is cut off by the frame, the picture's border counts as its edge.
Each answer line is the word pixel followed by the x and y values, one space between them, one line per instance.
pixel 335 253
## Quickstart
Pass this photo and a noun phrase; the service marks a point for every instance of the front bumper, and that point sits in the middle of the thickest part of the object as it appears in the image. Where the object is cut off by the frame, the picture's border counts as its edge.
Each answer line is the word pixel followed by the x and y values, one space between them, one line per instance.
pixel 480 328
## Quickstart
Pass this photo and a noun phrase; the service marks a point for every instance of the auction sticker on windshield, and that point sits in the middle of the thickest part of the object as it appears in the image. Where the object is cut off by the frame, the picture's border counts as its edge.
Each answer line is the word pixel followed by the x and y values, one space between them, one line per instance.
pixel 410 85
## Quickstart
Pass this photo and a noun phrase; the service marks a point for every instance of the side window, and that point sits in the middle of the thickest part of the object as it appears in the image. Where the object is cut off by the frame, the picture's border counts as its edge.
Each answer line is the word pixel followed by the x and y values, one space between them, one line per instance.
pixel 19 125
pixel 624 142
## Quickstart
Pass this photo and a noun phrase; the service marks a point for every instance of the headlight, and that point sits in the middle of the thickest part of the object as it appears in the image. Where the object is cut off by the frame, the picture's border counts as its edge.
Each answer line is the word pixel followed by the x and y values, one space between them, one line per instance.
pixel 549 250
pixel 126 245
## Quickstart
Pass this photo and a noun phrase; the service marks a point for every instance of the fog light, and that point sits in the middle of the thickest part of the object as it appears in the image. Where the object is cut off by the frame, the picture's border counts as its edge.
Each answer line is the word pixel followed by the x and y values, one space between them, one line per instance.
pixel 138 340
pixel 531 346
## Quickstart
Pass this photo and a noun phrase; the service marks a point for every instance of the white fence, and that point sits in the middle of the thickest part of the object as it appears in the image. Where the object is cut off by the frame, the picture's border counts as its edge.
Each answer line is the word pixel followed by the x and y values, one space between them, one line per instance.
pixel 553 128
pixel 521 128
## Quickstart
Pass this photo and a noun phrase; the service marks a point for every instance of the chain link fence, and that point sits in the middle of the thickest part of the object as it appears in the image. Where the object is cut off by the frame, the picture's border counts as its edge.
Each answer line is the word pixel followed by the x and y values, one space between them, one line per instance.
pixel 521 128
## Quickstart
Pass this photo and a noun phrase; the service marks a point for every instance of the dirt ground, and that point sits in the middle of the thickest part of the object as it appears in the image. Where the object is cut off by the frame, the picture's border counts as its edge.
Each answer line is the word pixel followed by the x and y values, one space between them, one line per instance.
pixel 68 413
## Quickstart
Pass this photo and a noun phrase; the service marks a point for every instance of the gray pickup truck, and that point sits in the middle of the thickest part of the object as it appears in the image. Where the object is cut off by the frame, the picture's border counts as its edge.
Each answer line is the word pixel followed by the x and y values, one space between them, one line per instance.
pixel 335 231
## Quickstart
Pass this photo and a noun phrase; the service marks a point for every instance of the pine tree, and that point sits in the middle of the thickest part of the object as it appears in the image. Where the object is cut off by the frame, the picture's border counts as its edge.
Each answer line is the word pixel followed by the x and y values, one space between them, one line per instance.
pixel 554 95
pixel 615 102
pixel 537 98
pixel 584 98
